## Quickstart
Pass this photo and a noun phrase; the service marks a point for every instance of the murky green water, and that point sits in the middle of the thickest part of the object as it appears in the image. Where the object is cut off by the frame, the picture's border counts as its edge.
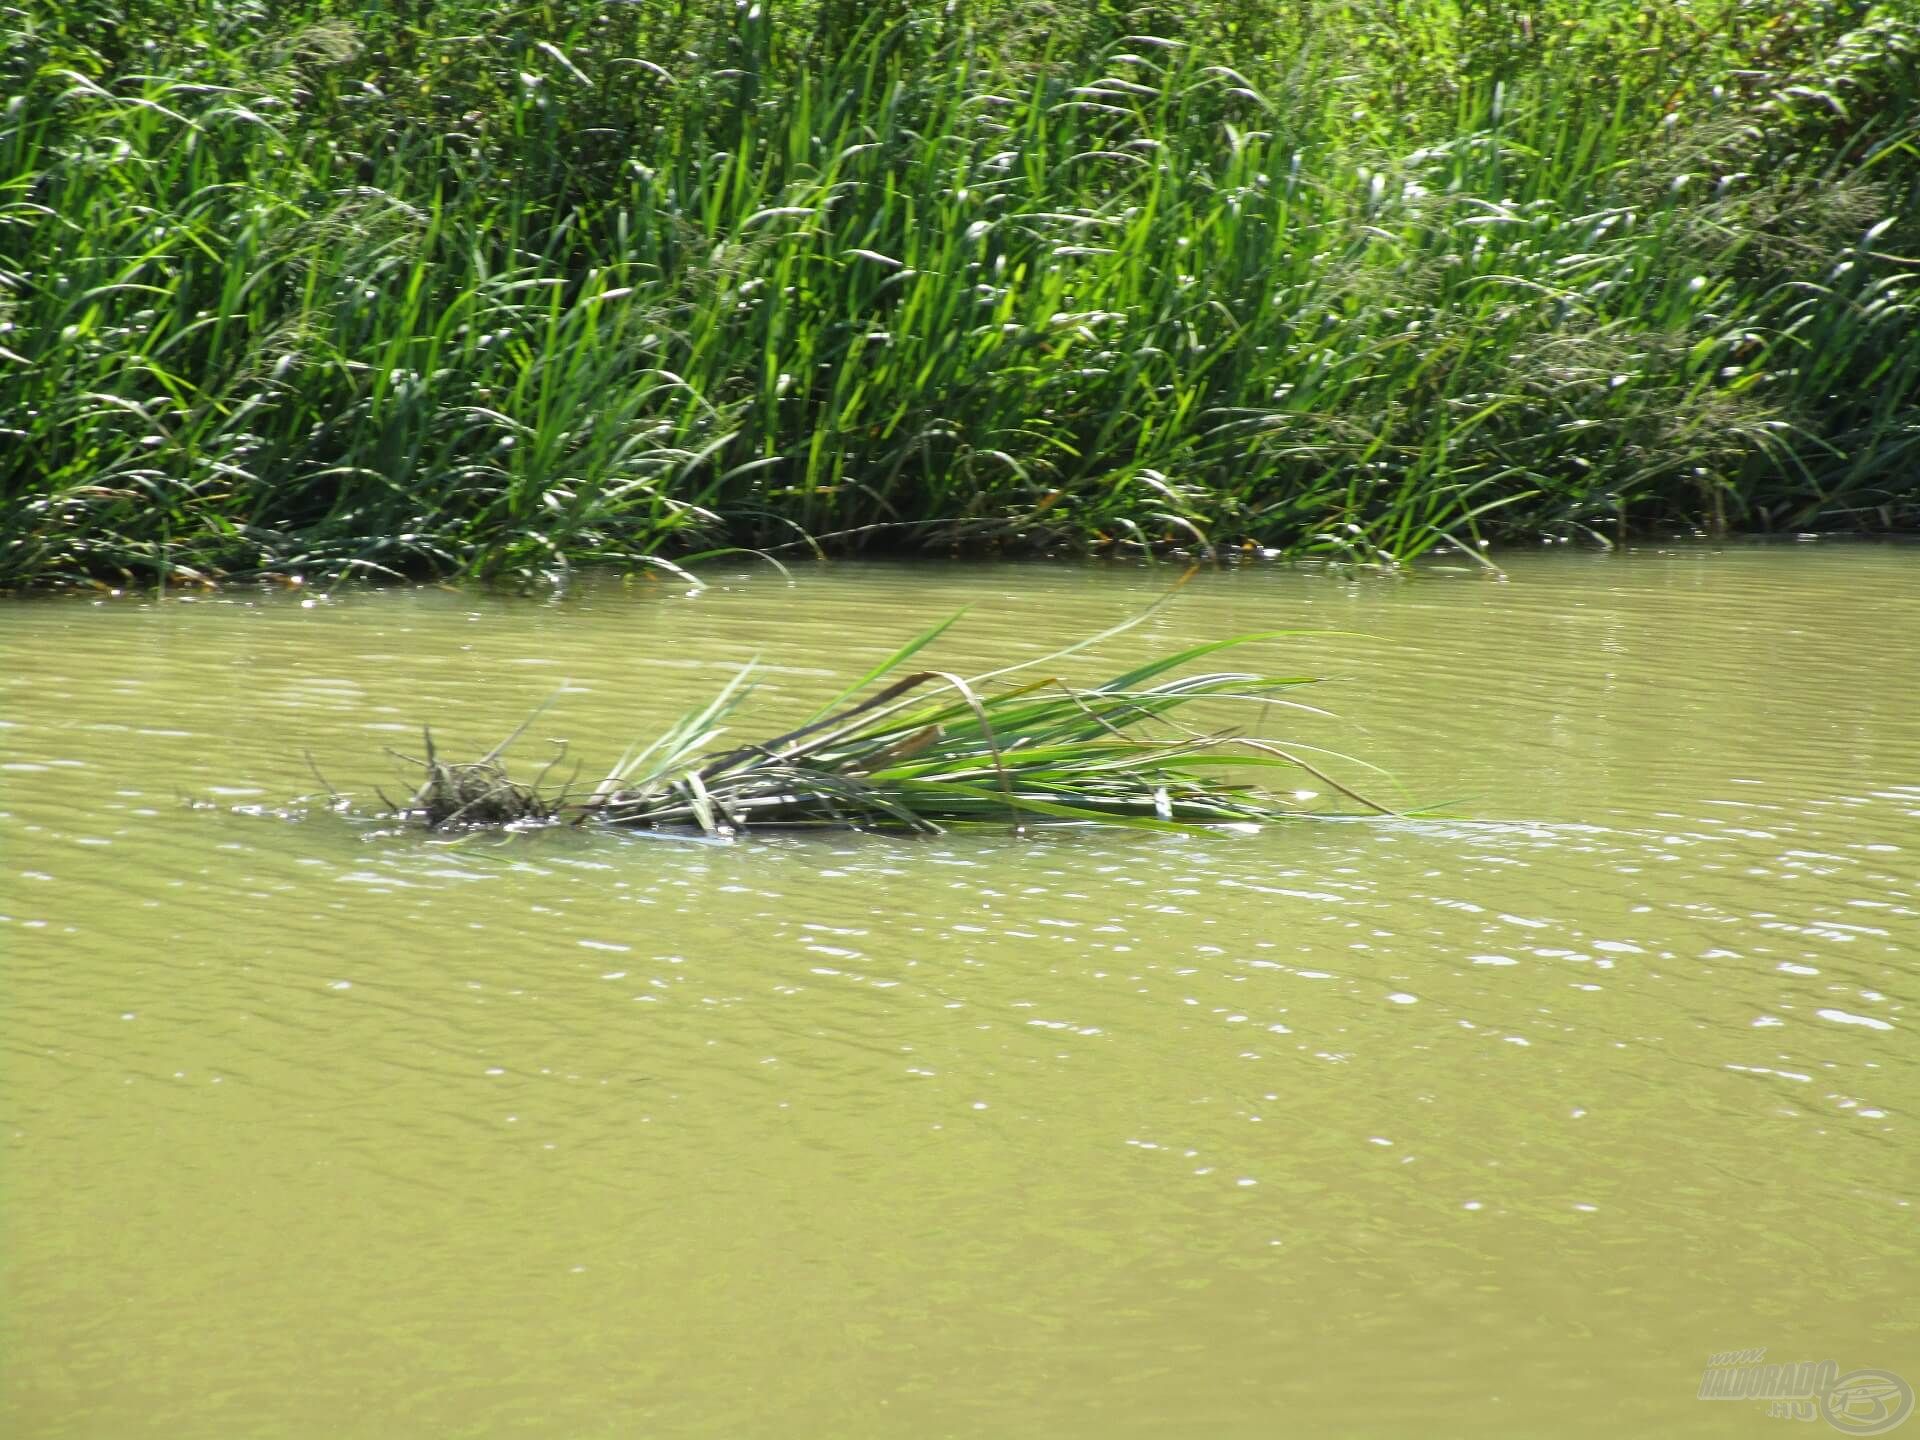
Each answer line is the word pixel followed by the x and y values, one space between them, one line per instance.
pixel 1493 1128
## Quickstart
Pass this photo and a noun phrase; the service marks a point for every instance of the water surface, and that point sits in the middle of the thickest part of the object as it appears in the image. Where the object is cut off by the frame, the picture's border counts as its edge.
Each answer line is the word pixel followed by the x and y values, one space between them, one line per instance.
pixel 1494 1125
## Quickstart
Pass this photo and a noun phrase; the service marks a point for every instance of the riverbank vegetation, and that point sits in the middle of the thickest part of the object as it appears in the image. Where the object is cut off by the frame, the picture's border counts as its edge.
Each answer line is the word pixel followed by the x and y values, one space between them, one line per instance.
pixel 330 286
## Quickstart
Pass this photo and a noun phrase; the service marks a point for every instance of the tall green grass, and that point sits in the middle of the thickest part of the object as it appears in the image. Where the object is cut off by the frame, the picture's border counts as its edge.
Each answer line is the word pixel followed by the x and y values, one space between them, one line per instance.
pixel 452 288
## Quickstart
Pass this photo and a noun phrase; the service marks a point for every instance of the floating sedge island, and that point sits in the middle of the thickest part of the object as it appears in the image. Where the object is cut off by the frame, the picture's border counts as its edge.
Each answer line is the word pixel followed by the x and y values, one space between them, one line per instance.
pixel 923 752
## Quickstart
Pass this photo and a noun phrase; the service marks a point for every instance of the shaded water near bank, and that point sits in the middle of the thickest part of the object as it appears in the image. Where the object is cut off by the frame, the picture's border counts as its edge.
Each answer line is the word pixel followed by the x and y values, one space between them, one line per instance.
pixel 1494 1125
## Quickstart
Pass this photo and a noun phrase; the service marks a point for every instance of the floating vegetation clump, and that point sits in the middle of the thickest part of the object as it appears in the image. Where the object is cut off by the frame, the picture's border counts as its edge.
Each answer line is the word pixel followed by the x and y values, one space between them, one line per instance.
pixel 924 752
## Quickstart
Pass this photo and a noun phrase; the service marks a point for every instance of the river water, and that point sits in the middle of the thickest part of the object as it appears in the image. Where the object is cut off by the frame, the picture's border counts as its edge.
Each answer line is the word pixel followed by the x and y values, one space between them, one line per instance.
pixel 1495 1124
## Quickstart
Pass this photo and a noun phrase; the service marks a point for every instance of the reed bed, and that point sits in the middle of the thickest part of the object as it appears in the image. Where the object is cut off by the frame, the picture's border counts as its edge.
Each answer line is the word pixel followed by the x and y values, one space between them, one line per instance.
pixel 926 751
pixel 342 288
